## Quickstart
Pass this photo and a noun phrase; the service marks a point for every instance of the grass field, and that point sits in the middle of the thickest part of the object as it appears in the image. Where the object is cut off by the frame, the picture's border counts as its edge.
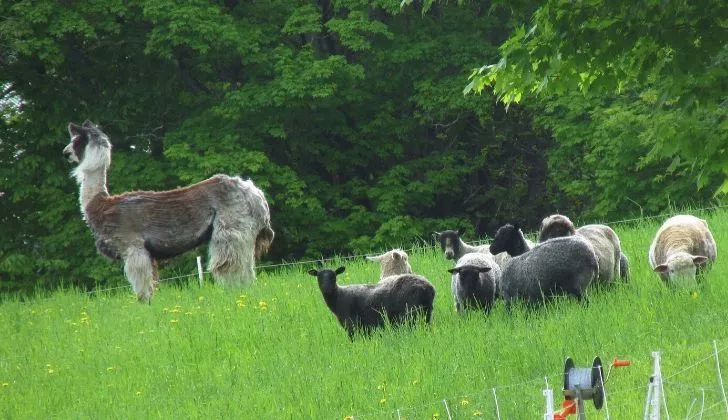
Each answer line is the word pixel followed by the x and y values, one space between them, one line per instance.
pixel 275 351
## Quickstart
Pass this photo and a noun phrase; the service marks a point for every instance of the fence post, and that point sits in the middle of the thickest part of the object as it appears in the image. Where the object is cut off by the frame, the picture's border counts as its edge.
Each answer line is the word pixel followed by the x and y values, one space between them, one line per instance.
pixel 720 376
pixel 549 394
pixel 447 409
pixel 497 410
pixel 199 269
pixel 652 407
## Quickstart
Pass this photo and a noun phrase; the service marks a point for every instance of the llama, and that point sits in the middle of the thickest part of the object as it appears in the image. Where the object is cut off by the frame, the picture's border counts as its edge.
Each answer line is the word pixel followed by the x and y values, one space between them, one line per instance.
pixel 363 307
pixel 392 263
pixel 142 227
pixel 682 248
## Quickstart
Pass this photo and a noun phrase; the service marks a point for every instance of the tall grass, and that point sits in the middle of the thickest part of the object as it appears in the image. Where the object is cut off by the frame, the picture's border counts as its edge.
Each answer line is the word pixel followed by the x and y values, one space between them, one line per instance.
pixel 275 351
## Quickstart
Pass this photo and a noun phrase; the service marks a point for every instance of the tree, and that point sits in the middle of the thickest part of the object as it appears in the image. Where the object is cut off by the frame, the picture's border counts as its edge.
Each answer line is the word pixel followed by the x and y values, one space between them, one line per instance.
pixel 673 55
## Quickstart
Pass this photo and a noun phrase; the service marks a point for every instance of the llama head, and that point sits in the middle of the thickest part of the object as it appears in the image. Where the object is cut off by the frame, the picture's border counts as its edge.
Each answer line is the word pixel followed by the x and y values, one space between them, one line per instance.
pixel 449 242
pixel 555 226
pixel 89 147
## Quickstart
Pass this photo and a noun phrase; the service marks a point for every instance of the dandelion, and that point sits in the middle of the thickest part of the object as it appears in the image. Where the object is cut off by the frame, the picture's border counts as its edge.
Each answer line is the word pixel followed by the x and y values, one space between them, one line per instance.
pixel 477 413
pixel 464 402
pixel 263 305
pixel 173 321
pixel 694 295
pixel 51 369
pixel 110 368
pixel 382 401
pixel 349 418
pixel 415 382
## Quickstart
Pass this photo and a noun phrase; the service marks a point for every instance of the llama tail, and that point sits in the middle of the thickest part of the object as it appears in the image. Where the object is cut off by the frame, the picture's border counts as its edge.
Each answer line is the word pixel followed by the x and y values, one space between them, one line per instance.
pixel 263 241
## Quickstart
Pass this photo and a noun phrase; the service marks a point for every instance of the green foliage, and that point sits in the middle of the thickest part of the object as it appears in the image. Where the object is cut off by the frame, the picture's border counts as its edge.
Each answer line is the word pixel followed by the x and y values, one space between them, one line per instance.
pixel 674 52
pixel 255 353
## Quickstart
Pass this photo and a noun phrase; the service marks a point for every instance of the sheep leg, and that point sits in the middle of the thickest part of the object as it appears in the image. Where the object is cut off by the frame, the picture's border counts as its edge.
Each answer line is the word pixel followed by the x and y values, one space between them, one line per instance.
pixel 139 270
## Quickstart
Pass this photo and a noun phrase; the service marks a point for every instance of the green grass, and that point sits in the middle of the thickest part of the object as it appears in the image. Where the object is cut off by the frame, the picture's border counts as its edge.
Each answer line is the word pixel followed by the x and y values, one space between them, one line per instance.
pixel 275 351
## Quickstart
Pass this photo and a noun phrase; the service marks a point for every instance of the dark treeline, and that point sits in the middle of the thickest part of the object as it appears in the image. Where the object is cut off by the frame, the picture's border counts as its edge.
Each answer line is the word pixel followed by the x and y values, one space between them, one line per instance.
pixel 349 115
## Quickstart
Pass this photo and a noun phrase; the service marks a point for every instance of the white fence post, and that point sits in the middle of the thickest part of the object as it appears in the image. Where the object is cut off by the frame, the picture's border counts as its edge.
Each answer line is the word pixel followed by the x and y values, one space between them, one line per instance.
pixel 652 406
pixel 720 376
pixel 199 269
pixel 549 394
pixel 447 410
pixel 497 410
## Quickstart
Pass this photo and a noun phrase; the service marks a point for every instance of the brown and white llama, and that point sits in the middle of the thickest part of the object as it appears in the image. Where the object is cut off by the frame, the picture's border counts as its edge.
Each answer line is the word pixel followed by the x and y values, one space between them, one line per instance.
pixel 141 227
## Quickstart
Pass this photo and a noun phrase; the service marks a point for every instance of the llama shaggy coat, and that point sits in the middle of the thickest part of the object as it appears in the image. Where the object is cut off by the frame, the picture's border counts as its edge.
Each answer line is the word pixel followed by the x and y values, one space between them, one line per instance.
pixel 392 263
pixel 605 241
pixel 682 248
pixel 559 265
pixel 475 281
pixel 363 307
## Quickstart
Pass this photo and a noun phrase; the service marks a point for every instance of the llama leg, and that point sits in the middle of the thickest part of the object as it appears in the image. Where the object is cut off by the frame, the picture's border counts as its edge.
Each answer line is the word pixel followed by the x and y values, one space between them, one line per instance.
pixel 231 256
pixel 139 270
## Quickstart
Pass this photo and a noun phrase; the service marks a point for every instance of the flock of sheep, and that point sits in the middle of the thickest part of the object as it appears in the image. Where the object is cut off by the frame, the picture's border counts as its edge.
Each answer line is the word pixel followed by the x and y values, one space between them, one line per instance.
pixel 566 260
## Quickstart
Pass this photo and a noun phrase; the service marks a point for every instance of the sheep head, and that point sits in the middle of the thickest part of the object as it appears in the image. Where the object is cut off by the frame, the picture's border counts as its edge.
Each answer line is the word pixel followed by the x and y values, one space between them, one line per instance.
pixel 449 242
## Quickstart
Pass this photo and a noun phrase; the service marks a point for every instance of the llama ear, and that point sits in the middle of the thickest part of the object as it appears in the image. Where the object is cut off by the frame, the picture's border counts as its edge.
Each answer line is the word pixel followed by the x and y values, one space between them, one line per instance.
pixel 662 268
pixel 75 129
pixel 436 235
pixel 700 259
pixel 461 231
pixel 453 270
pixel 313 272
pixel 339 270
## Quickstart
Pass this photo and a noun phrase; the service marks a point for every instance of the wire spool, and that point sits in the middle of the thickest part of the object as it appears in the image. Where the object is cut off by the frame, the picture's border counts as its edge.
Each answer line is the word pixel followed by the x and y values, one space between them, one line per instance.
pixel 584 383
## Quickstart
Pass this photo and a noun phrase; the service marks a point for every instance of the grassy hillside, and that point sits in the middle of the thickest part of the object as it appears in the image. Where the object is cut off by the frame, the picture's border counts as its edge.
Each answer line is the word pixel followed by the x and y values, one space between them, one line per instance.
pixel 275 351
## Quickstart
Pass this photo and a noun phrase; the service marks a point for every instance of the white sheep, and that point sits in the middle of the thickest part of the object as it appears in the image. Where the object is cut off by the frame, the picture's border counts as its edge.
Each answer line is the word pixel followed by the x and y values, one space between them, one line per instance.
pixel 682 247
pixel 392 263
pixel 604 240
pixel 475 281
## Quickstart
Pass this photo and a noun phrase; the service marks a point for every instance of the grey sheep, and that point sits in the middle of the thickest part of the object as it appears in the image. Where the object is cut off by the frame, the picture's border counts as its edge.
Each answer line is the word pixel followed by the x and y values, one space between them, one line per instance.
pixel 475 281
pixel 392 263
pixel 682 248
pixel 454 247
pixel 604 240
pixel 363 307
pixel 566 264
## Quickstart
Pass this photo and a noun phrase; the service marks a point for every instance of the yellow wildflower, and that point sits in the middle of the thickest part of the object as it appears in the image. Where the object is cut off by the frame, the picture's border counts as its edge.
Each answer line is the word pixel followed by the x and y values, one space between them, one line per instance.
pixel 173 321
pixel 477 413
pixel 201 298
pixel 464 402
pixel 5 384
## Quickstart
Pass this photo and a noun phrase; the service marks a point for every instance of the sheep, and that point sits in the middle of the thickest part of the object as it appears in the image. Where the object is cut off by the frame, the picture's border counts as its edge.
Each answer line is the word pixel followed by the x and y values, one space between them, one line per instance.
pixel 566 264
pixel 682 247
pixel 624 271
pixel 363 307
pixel 454 247
pixel 475 281
pixel 604 240
pixel 392 263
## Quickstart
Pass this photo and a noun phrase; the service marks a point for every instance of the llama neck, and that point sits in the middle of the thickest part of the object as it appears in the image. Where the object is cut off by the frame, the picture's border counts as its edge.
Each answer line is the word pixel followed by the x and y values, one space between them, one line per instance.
pixel 93 183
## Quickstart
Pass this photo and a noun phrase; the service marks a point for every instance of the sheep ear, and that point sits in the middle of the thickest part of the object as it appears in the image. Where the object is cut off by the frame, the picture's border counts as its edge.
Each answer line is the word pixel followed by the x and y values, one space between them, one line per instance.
pixel 453 270
pixel 461 231
pixel 396 255
pixel 436 235
pixel 313 272
pixel 319 264
pixel 700 259
pixel 662 268
pixel 375 258
pixel 339 270
pixel 484 269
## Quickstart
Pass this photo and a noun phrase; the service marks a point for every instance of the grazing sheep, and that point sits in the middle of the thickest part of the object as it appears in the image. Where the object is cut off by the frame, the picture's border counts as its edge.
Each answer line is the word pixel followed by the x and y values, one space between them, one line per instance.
pixel 565 264
pixel 392 263
pixel 682 247
pixel 363 307
pixel 604 240
pixel 624 267
pixel 475 281
pixel 454 247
